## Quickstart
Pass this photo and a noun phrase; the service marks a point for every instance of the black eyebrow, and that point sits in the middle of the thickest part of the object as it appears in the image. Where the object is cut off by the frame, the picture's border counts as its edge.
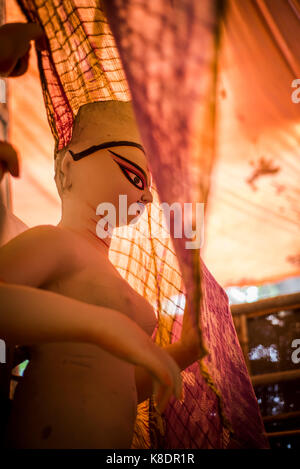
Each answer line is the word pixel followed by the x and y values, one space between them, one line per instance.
pixel 94 148
pixel 131 162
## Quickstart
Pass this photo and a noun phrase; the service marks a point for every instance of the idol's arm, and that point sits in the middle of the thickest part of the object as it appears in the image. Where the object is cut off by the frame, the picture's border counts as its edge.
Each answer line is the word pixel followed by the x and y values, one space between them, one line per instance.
pixel 15 45
pixel 30 314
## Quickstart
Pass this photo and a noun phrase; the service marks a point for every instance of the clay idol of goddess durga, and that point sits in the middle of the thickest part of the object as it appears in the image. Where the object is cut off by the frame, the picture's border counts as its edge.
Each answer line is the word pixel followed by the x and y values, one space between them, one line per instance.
pixel 88 331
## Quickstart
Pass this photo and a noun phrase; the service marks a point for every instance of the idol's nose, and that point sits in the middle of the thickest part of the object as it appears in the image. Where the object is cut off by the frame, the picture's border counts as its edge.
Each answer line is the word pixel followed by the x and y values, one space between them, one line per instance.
pixel 147 197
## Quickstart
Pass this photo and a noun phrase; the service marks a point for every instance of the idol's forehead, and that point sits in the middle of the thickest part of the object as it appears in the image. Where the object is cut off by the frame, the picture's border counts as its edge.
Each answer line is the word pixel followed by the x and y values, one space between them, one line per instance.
pixel 104 121
pixel 108 121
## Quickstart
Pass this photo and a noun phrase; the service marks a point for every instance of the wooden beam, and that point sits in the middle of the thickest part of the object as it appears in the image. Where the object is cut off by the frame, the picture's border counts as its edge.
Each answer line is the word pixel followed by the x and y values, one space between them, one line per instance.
pixel 286 433
pixel 270 378
pixel 283 416
pixel 267 305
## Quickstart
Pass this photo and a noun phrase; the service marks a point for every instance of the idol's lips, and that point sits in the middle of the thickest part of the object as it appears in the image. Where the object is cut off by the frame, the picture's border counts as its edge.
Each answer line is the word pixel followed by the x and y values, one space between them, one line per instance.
pixel 141 205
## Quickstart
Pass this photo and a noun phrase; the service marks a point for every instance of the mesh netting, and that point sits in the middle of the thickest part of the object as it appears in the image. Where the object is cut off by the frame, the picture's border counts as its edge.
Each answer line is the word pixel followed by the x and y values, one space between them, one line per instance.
pixel 162 56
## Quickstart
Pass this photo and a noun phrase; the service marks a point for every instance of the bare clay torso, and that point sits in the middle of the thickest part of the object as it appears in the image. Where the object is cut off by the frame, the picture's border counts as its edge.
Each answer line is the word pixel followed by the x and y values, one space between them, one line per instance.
pixel 76 395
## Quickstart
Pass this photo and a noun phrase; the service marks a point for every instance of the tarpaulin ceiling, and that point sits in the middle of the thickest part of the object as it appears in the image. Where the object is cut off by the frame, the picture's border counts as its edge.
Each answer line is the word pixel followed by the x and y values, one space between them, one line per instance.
pixel 252 230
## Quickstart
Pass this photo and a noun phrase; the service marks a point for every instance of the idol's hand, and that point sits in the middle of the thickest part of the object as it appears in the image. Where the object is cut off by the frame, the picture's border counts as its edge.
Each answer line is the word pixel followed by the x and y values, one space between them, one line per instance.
pixel 169 381
pixel 15 47
pixel 190 338
pixel 8 160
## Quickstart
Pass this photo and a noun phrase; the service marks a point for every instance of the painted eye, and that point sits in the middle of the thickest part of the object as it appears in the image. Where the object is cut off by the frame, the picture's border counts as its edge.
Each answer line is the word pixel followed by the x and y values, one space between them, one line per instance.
pixel 133 177
pixel 137 181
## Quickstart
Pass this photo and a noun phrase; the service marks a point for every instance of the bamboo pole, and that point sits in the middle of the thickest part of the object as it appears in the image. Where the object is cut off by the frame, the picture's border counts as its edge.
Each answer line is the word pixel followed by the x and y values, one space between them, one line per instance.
pixel 244 341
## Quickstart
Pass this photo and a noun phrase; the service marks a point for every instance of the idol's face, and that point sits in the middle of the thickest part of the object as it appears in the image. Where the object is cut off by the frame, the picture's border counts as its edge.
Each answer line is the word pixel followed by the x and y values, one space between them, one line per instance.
pixel 101 175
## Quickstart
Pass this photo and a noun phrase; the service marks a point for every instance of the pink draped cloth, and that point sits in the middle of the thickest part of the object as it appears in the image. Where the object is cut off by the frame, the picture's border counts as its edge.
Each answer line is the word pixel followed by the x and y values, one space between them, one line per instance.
pixel 200 412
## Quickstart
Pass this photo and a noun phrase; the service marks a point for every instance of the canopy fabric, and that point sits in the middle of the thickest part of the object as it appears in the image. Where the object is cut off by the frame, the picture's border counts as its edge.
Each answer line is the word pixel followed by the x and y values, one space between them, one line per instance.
pixel 252 225
pixel 181 145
